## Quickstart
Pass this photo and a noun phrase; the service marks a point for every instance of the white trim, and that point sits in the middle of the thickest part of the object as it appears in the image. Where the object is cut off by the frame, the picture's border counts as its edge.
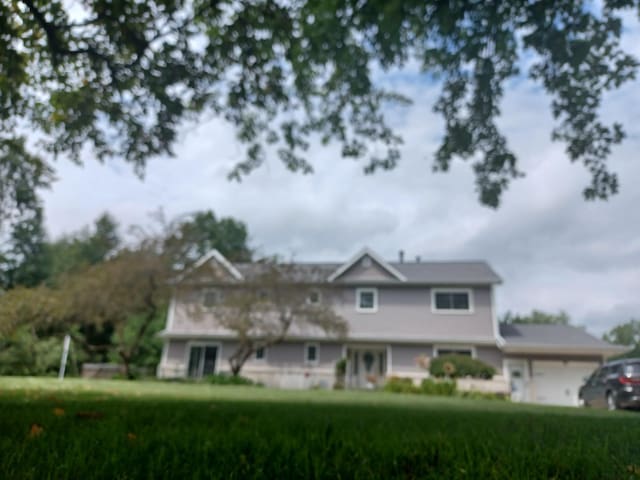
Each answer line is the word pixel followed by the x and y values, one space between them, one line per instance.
pixel 305 359
pixel 171 312
pixel 452 311
pixel 561 349
pixel 494 317
pixel 389 360
pixel 215 254
pixel 366 251
pixel 373 290
pixel 406 339
pixel 164 357
pixel 204 343
pixel 438 347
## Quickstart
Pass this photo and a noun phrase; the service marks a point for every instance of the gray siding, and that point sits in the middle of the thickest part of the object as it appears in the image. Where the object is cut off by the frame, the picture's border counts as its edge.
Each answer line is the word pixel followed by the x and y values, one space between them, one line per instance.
pixel 176 351
pixel 288 354
pixel 403 357
pixel 405 312
pixel 491 356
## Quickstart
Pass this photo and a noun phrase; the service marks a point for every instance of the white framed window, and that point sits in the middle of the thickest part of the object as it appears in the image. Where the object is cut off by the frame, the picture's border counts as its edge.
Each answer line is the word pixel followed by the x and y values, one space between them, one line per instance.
pixel 311 353
pixel 211 297
pixel 452 300
pixel 261 354
pixel 366 300
pixel 467 350
pixel 314 297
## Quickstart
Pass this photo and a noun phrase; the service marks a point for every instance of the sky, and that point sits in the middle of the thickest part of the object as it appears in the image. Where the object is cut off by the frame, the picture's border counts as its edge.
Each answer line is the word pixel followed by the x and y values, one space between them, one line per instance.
pixel 553 250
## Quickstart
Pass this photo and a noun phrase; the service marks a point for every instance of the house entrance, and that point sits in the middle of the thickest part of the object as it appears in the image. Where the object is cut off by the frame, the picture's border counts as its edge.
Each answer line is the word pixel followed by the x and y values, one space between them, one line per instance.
pixel 366 367
pixel 202 360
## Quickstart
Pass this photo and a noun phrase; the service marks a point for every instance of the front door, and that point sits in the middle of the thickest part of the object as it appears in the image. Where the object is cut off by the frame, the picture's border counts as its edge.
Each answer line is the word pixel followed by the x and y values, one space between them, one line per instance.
pixel 202 360
pixel 517 380
pixel 367 367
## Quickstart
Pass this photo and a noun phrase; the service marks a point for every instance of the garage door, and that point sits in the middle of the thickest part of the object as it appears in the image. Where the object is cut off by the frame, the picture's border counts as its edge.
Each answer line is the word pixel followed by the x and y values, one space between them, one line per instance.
pixel 557 383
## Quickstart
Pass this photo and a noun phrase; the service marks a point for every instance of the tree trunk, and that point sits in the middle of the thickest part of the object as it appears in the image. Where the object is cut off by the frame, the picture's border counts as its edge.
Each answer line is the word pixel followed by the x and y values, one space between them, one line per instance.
pixel 239 357
pixel 126 361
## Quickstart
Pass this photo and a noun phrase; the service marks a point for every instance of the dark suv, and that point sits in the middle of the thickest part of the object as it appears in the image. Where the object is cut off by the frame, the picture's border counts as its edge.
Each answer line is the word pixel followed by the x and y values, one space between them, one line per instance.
pixel 614 385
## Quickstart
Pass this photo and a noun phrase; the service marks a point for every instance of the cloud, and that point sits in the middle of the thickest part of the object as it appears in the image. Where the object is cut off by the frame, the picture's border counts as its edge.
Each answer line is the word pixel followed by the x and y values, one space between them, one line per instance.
pixel 553 250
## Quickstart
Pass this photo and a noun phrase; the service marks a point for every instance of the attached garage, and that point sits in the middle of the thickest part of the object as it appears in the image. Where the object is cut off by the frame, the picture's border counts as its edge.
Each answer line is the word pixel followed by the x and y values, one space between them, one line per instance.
pixel 557 382
pixel 547 364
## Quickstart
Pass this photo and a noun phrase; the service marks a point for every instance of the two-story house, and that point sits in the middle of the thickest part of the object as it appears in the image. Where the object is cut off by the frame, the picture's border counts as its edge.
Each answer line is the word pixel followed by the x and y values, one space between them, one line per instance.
pixel 399 314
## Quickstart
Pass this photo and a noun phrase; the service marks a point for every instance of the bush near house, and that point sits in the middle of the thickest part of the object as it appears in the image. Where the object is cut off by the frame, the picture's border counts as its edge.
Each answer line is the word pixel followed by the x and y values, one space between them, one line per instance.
pixel 446 388
pixel 460 366
pixel 400 385
pixel 427 387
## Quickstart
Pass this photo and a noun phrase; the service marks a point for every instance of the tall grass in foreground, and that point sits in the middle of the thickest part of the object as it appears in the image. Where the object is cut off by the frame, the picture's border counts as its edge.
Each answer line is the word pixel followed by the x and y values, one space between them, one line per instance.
pixel 137 430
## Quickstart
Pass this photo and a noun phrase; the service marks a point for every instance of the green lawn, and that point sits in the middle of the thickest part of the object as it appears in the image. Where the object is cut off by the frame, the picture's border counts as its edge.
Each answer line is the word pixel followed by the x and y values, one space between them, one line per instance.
pixel 117 429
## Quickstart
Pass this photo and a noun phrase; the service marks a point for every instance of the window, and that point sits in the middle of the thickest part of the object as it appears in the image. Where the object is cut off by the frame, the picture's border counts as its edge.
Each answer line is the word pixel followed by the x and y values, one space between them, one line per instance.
pixel 454 301
pixel 211 297
pixel 311 353
pixel 466 350
pixel 314 297
pixel 260 353
pixel 366 300
pixel 202 360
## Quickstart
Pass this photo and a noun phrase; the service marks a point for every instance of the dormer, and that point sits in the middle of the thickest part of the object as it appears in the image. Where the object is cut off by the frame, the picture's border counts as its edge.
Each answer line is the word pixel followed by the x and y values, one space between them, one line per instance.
pixel 211 268
pixel 366 267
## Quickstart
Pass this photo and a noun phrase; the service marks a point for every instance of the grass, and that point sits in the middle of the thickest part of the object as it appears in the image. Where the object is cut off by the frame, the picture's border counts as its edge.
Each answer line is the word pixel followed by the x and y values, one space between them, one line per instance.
pixel 118 429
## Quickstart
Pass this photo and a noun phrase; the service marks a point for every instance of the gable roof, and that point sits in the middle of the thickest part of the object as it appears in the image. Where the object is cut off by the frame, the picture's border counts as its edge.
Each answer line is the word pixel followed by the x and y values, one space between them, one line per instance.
pixel 456 273
pixel 218 257
pixel 559 338
pixel 374 256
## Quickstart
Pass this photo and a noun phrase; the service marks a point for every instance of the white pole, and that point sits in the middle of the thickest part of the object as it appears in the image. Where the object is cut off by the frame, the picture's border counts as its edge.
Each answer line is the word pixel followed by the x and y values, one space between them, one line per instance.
pixel 65 353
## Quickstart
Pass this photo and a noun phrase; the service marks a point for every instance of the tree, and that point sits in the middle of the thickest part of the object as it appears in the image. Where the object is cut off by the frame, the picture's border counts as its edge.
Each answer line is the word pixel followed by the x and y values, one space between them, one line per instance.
pixel 84 248
pixel 21 232
pixel 262 310
pixel 627 334
pixel 128 292
pixel 193 236
pixel 26 261
pixel 537 317
pixel 122 77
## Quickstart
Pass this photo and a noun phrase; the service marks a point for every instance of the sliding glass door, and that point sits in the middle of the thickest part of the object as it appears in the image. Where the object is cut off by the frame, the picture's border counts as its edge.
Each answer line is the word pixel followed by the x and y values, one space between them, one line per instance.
pixel 202 360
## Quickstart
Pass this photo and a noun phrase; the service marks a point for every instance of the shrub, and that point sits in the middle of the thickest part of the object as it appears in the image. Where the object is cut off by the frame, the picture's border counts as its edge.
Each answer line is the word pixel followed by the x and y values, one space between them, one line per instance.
pixel 226 379
pixel 341 367
pixel 475 395
pixel 400 385
pixel 460 366
pixel 430 386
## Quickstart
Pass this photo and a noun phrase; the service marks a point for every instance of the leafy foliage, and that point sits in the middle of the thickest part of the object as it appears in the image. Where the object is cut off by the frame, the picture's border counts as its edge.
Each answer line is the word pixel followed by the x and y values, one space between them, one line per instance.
pixel 445 388
pixel 25 352
pixel 76 251
pixel 400 385
pixel 195 235
pixel 121 77
pixel 463 366
pixel 627 334
pixel 428 386
pixel 537 317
